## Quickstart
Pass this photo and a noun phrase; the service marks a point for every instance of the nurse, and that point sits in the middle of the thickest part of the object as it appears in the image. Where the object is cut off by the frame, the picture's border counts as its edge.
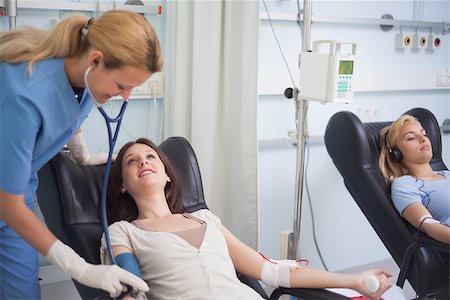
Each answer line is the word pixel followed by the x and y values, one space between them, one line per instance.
pixel 43 102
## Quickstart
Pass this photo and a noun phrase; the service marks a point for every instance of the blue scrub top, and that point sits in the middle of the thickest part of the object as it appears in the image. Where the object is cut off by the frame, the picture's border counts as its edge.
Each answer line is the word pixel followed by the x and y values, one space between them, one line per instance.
pixel 433 194
pixel 38 115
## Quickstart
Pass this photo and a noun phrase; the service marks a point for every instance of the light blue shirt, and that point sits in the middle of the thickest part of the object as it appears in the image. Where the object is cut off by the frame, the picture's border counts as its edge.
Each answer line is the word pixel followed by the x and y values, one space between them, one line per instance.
pixel 38 115
pixel 433 194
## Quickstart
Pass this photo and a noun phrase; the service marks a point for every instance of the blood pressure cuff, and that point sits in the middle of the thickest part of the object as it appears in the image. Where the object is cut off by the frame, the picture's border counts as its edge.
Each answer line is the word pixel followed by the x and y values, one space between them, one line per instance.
pixel 129 262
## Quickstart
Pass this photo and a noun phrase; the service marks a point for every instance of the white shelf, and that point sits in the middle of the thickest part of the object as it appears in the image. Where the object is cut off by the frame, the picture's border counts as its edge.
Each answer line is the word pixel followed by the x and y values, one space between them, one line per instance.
pixel 417 80
pixel 288 143
pixel 86 6
pixel 441 27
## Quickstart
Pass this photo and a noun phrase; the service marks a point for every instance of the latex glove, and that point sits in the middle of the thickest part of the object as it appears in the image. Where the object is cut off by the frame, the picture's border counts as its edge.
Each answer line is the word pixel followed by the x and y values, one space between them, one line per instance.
pixel 106 277
pixel 79 150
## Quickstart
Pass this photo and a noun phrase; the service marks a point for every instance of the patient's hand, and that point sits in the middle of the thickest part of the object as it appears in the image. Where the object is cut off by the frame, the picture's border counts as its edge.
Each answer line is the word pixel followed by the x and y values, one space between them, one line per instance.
pixel 135 295
pixel 384 278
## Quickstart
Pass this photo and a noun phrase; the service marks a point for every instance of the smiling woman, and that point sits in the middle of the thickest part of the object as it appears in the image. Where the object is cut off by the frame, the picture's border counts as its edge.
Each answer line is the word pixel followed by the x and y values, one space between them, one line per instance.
pixel 420 194
pixel 126 174
pixel 193 255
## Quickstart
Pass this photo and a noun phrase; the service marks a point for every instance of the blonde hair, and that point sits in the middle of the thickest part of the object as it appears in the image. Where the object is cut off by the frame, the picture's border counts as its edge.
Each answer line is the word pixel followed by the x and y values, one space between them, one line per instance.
pixel 390 168
pixel 124 38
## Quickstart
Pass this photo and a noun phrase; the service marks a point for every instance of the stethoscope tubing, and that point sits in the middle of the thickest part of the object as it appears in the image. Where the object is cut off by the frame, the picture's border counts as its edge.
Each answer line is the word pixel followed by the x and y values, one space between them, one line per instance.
pixel 112 139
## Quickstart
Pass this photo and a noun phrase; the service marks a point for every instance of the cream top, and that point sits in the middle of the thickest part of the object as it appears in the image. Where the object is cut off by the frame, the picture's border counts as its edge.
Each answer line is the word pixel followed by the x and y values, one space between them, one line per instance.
pixel 193 236
pixel 174 269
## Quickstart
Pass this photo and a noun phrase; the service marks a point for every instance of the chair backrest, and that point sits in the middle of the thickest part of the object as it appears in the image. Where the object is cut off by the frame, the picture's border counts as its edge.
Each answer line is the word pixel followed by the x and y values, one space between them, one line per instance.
pixel 355 149
pixel 69 195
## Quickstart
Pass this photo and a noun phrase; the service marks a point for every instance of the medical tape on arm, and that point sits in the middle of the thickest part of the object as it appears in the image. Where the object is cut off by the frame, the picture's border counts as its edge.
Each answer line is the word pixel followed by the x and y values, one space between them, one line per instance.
pixel 428 219
pixel 276 273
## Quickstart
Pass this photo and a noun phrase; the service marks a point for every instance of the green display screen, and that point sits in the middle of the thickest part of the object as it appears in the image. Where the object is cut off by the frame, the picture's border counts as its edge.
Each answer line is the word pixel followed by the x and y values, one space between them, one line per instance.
pixel 346 67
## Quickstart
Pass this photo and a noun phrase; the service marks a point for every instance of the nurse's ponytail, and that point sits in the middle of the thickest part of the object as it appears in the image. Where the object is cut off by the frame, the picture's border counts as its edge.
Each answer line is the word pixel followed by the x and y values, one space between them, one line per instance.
pixel 29 44
pixel 124 37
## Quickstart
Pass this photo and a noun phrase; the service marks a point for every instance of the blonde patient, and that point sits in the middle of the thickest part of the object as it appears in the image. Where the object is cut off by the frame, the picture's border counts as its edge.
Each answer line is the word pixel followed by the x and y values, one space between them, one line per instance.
pixel 420 194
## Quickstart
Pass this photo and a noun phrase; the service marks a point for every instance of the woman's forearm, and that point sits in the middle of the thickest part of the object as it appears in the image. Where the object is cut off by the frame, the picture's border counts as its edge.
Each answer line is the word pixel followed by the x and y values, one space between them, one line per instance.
pixel 311 278
pixel 437 231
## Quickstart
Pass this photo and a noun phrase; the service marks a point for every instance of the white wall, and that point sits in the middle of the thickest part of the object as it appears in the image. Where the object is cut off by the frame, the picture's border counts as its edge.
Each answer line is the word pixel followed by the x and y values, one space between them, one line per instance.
pixel 344 236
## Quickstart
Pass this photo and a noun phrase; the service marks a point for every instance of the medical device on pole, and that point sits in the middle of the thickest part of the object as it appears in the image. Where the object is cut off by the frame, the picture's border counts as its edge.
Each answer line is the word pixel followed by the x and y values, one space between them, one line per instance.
pixel 327 77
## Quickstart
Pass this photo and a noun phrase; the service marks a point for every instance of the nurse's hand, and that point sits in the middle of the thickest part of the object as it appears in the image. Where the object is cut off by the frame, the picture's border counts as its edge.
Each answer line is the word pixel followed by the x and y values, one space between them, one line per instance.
pixel 106 277
pixel 79 150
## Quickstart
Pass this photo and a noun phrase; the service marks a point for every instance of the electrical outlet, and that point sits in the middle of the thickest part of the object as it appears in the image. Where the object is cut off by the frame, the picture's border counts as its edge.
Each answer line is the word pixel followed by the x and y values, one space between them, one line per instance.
pixel 141 91
pixel 156 85
pixel 420 41
pixel 434 42
pixel 443 78
pixel 367 114
pixel 403 40
pixel 152 88
pixel 292 138
pixel 285 236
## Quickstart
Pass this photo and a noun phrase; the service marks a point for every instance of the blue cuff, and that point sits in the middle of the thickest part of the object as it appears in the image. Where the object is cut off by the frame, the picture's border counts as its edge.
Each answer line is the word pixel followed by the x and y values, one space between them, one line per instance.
pixel 129 262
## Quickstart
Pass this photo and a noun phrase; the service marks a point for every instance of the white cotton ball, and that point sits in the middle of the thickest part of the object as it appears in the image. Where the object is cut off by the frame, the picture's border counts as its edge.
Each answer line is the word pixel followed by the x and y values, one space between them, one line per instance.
pixel 372 284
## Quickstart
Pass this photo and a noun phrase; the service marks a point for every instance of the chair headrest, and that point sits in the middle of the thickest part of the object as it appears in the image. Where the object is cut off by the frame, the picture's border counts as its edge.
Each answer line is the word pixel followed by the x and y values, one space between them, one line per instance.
pixel 183 159
pixel 431 126
pixel 359 143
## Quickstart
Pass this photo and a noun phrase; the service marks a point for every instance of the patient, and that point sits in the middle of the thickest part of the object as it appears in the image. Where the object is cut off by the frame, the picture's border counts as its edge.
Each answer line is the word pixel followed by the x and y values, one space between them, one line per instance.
pixel 192 256
pixel 421 195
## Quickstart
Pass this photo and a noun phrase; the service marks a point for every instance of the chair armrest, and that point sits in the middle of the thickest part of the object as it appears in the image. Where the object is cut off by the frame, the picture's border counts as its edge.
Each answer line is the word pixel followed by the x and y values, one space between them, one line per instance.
pixel 425 242
pixel 253 283
pixel 304 293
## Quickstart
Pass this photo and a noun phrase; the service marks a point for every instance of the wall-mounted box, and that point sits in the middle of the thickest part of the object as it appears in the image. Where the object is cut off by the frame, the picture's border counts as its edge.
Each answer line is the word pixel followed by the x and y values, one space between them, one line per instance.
pixel 403 40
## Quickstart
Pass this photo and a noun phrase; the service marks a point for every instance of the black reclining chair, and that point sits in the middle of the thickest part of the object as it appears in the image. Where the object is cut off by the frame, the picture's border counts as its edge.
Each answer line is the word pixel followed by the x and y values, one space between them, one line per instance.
pixel 69 196
pixel 355 149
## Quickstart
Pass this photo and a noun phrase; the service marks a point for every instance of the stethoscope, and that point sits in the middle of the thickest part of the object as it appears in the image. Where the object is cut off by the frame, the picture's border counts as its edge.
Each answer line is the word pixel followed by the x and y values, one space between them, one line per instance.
pixel 112 139
pixel 112 142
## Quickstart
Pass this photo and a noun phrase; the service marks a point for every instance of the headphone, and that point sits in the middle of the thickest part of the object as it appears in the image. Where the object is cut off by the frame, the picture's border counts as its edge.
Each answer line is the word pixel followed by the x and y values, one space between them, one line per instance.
pixel 395 153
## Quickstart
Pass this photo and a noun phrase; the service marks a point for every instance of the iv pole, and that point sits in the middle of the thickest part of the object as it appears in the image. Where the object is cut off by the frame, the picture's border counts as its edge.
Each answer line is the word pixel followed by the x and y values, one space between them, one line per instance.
pixel 301 113
pixel 11 12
